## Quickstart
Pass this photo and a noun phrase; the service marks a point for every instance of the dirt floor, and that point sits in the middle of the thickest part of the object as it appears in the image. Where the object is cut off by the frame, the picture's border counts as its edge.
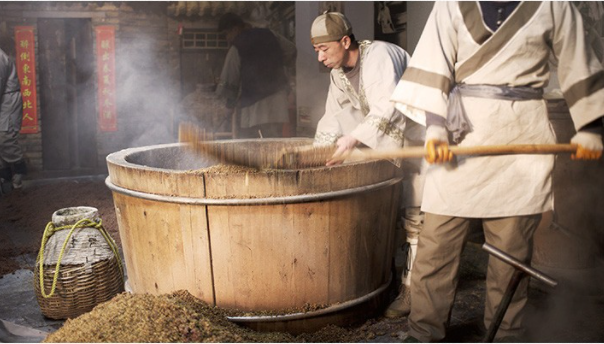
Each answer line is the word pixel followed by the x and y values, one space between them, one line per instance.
pixel 559 316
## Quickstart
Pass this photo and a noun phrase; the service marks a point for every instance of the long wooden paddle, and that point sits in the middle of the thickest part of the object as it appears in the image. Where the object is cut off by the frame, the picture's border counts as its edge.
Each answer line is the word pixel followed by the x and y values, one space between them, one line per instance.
pixel 310 156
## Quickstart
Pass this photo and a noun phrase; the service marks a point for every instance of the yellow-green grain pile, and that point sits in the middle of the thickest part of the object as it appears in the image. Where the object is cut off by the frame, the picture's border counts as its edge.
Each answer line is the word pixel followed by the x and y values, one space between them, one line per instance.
pixel 177 317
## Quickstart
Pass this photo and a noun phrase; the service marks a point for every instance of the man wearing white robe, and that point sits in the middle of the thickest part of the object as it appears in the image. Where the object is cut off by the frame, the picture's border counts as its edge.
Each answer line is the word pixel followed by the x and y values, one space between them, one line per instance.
pixel 358 112
pixel 496 75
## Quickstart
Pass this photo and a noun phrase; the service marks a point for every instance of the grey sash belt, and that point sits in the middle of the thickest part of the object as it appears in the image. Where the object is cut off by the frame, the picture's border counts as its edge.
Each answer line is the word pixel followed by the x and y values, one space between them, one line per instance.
pixel 457 120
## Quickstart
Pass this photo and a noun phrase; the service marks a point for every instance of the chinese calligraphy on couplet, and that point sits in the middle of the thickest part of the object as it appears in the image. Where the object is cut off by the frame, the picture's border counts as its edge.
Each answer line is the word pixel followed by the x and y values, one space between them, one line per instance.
pixel 105 57
pixel 26 69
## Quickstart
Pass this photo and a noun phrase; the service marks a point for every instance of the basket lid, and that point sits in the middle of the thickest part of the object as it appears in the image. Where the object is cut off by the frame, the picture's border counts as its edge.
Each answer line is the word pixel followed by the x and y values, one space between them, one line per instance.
pixel 71 215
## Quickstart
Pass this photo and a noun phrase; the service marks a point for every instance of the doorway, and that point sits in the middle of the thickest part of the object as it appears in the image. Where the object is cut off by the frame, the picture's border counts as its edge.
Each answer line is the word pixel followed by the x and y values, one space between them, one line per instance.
pixel 67 94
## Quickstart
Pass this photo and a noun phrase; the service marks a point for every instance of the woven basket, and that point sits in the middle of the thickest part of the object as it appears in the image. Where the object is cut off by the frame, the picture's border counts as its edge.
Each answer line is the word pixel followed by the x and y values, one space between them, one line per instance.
pixel 90 271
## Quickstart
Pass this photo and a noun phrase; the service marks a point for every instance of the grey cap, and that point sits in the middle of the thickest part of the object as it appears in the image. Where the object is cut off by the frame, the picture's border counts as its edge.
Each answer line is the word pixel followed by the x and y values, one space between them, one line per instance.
pixel 328 27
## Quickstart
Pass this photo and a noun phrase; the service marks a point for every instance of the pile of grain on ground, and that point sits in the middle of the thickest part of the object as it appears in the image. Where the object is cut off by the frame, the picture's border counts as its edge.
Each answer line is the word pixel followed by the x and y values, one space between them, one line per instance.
pixel 306 308
pixel 177 317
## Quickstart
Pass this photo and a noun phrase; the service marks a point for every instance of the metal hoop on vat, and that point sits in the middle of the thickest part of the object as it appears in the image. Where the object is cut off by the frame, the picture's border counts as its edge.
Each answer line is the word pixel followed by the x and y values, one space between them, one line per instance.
pixel 254 201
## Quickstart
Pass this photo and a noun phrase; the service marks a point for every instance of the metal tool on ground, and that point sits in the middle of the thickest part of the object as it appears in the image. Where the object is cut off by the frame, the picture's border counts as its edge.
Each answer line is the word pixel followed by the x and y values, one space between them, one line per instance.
pixel 521 270
pixel 310 156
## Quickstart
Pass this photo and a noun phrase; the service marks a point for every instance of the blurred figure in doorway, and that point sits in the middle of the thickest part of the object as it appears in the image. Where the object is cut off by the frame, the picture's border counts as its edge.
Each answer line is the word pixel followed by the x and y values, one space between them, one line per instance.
pixel 253 77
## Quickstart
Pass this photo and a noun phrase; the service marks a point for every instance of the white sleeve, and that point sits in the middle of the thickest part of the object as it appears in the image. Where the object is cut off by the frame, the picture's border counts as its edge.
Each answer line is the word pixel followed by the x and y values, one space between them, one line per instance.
pixel 329 129
pixel 579 71
pixel 425 85
pixel 383 126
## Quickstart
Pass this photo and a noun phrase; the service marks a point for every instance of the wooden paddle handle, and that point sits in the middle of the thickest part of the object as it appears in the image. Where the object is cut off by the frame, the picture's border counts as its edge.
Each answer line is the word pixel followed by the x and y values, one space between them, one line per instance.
pixel 420 152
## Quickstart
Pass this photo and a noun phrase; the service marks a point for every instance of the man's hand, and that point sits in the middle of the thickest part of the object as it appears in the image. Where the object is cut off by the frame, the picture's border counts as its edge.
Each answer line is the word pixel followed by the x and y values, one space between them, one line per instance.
pixel 345 145
pixel 589 146
pixel 437 145
pixel 438 152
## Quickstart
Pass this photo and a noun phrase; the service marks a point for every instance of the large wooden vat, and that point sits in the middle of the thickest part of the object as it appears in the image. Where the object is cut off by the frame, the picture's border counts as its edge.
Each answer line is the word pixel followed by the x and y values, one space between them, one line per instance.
pixel 256 241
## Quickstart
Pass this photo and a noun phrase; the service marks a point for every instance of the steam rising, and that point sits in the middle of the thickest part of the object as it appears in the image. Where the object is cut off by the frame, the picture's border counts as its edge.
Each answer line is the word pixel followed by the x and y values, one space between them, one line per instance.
pixel 146 92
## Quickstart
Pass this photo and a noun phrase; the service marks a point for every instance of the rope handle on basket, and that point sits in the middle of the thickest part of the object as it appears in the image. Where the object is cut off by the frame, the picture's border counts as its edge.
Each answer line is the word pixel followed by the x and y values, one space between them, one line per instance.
pixel 51 229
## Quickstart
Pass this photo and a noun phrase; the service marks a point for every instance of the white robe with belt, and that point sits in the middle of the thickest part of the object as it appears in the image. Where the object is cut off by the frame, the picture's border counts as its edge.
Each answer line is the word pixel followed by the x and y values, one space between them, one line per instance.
pixel 457 47
pixel 369 115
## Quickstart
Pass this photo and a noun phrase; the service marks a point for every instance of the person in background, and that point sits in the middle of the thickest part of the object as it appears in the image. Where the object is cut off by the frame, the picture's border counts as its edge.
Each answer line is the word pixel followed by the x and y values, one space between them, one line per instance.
pixel 253 77
pixel 359 113
pixel 12 163
pixel 477 78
